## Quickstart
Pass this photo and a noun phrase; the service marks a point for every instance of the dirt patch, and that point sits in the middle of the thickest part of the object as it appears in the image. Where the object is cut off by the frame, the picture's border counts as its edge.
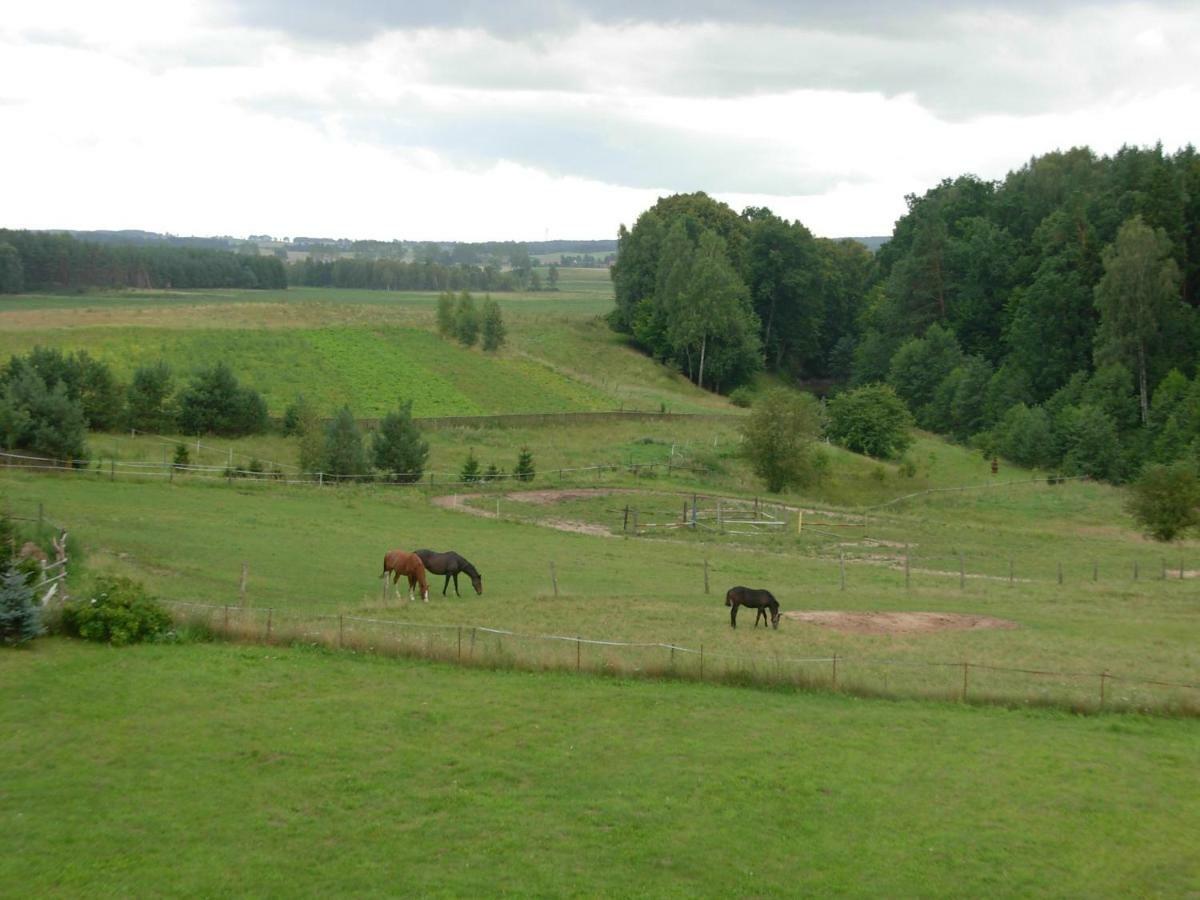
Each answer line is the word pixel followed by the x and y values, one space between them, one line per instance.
pixel 458 502
pixel 896 622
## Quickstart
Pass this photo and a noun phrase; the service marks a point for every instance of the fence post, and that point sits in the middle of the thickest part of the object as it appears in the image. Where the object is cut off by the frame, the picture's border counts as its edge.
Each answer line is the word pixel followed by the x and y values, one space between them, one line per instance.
pixel 1164 569
pixel 625 523
pixel 270 612
pixel 1135 570
pixel 1181 568
pixel 553 578
pixel 907 581
pixel 835 671
pixel 962 573
pixel 1103 678
pixel 966 665
pixel 578 653
pixel 706 574
pixel 112 470
pixel 341 632
pixel 718 515
pixel 226 619
pixel 242 586
pixel 672 657
pixel 1010 573
pixel 1095 570
pixel 460 643
pixel 701 662
pixel 1060 572
pixel 842 568
pixel 471 654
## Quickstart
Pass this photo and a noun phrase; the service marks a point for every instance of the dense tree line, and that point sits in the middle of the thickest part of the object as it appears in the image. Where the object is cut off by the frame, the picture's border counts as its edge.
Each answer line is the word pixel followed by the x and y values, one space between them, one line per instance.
pixel 34 261
pixel 49 400
pixel 427 275
pixel 1050 317
pixel 720 295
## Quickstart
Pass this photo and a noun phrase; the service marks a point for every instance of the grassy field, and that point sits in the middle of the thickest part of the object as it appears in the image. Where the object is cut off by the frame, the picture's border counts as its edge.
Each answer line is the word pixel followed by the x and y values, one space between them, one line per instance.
pixel 368 348
pixel 314 551
pixel 216 769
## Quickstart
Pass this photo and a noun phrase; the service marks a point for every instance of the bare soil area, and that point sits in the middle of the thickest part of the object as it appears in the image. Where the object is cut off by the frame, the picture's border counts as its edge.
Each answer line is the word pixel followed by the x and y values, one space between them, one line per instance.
pixel 896 622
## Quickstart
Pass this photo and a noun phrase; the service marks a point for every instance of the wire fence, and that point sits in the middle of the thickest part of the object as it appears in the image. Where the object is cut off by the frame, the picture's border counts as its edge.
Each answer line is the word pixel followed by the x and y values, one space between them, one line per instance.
pixel 861 675
pixel 113 469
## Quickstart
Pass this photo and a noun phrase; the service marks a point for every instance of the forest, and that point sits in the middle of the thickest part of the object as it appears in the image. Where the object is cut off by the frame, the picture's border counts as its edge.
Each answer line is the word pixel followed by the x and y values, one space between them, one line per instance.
pixel 1049 317
pixel 34 261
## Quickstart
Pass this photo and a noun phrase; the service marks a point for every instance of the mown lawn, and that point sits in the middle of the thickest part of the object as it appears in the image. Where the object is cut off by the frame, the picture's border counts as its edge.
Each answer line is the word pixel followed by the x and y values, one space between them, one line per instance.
pixel 218 769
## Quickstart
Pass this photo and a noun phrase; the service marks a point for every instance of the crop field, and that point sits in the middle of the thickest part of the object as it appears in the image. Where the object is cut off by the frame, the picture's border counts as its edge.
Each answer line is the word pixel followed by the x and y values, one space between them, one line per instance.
pixel 132 772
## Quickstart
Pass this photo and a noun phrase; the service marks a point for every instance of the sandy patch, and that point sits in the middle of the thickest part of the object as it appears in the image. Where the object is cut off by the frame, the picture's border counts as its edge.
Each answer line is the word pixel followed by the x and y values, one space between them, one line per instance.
pixel 896 622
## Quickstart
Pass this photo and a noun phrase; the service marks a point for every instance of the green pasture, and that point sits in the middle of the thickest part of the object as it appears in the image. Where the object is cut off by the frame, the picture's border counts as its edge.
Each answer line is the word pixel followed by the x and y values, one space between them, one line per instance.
pixel 360 348
pixel 218 769
pixel 315 551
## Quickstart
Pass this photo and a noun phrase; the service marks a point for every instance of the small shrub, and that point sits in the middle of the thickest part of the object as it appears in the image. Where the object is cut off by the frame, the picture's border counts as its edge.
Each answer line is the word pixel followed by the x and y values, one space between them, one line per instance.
pixel 119 612
pixel 20 618
pixel 742 397
pixel 182 458
pixel 523 471
pixel 470 469
pixel 908 468
pixel 879 474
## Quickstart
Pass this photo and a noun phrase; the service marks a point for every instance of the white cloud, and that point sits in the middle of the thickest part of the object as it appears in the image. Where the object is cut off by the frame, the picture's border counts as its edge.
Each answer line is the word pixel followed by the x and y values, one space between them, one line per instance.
pixel 145 115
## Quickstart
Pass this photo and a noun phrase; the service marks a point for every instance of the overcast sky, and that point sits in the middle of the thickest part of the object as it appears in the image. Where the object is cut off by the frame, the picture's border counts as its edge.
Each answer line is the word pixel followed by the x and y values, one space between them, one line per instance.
pixel 520 120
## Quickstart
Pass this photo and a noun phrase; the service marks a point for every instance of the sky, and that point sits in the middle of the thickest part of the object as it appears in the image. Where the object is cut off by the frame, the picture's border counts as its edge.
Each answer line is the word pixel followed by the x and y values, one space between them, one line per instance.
pixel 564 119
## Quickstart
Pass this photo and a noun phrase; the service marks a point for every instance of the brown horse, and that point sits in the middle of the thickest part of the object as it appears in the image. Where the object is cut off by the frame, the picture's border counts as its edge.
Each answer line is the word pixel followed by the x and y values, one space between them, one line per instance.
pixel 401 562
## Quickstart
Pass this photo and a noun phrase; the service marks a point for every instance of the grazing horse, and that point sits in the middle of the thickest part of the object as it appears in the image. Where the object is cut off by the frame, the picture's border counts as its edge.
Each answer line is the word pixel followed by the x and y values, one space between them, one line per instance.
pixel 450 564
pixel 752 598
pixel 401 562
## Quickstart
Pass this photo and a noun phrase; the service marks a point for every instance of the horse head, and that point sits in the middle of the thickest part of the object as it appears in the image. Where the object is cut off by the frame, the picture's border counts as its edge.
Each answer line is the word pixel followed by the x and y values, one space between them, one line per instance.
pixel 775 616
pixel 476 582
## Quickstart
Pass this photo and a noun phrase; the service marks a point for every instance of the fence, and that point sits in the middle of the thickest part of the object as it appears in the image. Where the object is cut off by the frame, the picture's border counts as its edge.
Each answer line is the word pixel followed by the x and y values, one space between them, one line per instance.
pixel 865 675
pixel 169 471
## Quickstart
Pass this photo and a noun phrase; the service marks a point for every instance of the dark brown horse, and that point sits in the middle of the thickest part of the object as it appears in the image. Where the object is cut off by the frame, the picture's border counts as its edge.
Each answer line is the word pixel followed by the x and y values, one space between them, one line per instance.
pixel 450 564
pixel 754 599
pixel 401 562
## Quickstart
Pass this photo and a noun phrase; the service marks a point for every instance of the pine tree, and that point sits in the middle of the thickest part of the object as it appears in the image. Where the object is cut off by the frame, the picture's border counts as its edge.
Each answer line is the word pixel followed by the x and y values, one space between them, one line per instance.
pixel 523 471
pixel 493 325
pixel 470 469
pixel 445 314
pixel 20 619
pixel 398 448
pixel 466 320
pixel 344 455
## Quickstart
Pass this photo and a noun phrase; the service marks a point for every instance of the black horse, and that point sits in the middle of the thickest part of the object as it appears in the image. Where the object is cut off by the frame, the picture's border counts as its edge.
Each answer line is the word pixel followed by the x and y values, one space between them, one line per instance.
pixel 754 599
pixel 450 564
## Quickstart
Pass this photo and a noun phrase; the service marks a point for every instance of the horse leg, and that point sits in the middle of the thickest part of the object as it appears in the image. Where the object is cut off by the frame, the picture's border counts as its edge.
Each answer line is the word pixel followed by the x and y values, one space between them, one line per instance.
pixel 446 585
pixel 412 583
pixel 456 593
pixel 733 615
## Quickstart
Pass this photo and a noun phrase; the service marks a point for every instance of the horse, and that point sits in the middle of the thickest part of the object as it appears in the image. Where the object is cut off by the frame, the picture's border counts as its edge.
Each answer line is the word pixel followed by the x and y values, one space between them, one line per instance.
pixel 450 564
pixel 752 598
pixel 401 562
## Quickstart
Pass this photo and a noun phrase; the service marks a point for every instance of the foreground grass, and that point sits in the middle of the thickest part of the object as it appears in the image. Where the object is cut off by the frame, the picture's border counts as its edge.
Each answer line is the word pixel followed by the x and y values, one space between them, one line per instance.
pixel 217 769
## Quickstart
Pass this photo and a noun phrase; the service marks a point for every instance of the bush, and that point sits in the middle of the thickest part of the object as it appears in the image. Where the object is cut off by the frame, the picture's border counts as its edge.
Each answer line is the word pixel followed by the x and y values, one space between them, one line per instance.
pixel 215 402
pixel 470 469
pixel 119 612
pixel 742 397
pixel 493 330
pixel 871 420
pixel 20 617
pixel 779 439
pixel 1165 501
